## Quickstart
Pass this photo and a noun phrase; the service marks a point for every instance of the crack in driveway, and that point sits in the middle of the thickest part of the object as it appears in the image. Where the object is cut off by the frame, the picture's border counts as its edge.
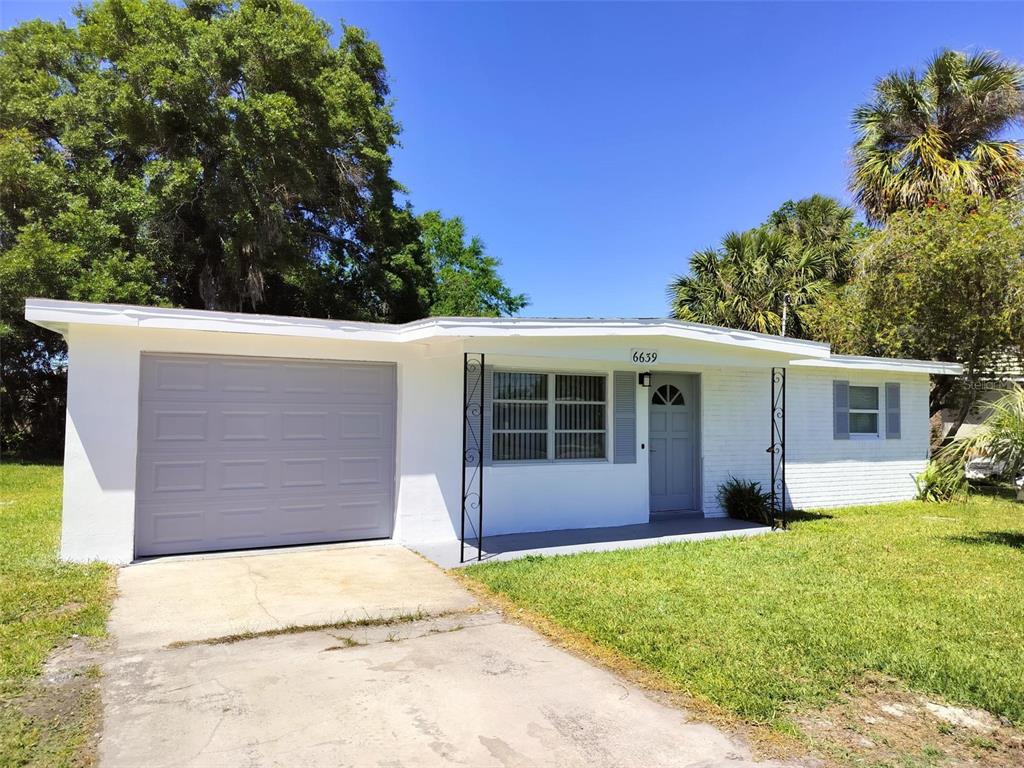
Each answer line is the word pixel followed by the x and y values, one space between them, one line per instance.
pixel 256 590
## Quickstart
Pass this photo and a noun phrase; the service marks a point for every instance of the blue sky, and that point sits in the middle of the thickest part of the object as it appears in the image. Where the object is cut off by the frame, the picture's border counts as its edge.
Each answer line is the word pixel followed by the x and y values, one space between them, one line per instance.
pixel 594 146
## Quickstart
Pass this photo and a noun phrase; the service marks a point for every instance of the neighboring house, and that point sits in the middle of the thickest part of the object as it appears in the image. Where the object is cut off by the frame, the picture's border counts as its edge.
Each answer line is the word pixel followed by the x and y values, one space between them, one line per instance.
pixel 190 430
pixel 1006 372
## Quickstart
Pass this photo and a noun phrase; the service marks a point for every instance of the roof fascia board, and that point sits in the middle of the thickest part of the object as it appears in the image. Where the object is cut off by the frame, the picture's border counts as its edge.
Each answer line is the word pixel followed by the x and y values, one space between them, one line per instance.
pixel 848 362
pixel 651 331
pixel 58 316
pixel 61 314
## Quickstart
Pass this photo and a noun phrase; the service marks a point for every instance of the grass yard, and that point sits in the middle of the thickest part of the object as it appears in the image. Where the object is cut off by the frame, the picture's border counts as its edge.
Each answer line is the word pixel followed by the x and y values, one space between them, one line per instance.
pixel 42 604
pixel 772 626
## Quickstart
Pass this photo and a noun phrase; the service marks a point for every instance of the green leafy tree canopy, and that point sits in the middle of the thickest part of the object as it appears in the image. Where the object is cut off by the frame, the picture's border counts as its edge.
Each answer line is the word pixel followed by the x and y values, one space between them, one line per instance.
pixel 942 283
pixel 221 155
pixel 467 280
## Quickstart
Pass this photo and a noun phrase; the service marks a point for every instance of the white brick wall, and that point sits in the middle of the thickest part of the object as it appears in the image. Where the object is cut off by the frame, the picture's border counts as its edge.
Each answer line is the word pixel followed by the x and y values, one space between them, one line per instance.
pixel 820 471
pixel 823 472
pixel 736 429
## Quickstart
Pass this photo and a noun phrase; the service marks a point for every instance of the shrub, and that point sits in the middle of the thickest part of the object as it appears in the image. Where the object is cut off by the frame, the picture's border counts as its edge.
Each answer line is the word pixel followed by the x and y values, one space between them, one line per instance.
pixel 938 484
pixel 745 500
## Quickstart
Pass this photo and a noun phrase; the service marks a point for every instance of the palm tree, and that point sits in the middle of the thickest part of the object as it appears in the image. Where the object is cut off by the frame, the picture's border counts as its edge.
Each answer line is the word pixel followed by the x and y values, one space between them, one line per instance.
pixel 924 136
pixel 823 224
pixel 743 284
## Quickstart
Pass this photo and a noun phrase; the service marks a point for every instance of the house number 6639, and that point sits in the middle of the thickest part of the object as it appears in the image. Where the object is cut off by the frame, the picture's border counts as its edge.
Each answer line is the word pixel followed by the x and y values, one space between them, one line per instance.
pixel 644 356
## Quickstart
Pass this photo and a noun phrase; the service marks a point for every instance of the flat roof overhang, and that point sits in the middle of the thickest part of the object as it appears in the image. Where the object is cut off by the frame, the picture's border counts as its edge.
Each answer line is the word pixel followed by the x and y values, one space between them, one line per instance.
pixel 59 316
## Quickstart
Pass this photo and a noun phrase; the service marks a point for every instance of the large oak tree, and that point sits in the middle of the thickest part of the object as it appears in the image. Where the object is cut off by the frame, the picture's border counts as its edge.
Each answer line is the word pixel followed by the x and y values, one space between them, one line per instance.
pixel 219 155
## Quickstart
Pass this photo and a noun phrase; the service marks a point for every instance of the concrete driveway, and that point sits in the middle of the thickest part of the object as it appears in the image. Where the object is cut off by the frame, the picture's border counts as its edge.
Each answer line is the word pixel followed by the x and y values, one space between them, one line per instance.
pixel 198 598
pixel 212 668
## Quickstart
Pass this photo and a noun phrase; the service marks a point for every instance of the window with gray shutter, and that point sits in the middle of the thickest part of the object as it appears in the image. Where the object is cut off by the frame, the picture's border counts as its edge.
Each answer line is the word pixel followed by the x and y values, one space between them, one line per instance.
pixel 624 405
pixel 864 410
pixel 892 411
pixel 841 410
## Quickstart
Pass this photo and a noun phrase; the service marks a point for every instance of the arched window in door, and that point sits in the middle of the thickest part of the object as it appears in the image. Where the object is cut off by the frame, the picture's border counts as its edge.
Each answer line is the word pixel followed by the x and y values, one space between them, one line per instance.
pixel 668 394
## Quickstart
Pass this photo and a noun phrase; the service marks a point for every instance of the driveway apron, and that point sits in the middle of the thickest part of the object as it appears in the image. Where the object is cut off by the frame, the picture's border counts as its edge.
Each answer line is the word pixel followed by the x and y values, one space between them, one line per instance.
pixel 361 656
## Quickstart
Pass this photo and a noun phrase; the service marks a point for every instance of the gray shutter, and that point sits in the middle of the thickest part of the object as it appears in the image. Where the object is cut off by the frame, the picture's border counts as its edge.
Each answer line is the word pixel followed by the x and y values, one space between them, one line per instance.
pixel 488 394
pixel 624 417
pixel 892 411
pixel 841 410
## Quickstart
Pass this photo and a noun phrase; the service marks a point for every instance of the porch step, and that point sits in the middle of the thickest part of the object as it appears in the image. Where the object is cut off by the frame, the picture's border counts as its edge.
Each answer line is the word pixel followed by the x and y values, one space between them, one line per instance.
pixel 674 514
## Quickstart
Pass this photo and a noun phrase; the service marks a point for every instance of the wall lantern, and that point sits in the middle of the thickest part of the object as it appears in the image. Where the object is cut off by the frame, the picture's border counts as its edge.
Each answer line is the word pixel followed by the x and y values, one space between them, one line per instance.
pixel 645 379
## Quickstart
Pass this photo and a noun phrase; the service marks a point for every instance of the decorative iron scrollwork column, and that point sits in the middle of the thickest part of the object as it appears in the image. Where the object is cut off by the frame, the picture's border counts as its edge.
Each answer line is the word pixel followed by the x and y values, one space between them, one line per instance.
pixel 777 450
pixel 472 452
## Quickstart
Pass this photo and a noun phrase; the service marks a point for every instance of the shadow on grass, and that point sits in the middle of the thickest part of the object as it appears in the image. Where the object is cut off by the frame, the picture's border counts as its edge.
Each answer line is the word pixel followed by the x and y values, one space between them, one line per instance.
pixel 992 490
pixel 1012 539
pixel 26 461
pixel 803 516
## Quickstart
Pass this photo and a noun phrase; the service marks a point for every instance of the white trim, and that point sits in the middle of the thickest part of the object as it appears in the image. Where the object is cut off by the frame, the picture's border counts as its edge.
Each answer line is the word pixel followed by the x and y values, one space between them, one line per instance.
pixel 58 315
pixel 851 362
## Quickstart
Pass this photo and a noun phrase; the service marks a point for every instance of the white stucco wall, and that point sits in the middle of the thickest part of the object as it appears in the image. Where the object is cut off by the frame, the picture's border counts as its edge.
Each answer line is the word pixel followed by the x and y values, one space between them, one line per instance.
pixel 102 427
pixel 546 495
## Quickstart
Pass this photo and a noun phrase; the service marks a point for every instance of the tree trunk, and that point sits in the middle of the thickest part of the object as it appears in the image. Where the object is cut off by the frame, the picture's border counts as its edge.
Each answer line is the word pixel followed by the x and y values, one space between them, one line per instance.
pixel 961 416
pixel 941 387
pixel 971 380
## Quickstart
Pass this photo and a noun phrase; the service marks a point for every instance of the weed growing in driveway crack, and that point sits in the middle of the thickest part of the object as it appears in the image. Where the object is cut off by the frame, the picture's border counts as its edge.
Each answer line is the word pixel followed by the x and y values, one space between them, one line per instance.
pixel 293 629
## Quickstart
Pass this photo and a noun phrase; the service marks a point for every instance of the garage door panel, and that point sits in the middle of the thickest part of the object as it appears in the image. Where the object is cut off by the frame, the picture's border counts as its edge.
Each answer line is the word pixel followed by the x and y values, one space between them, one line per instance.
pixel 178 377
pixel 304 452
pixel 304 473
pixel 186 476
pixel 367 385
pixel 242 379
pixel 361 517
pixel 370 423
pixel 264 426
pixel 306 424
pixel 175 424
pixel 179 477
pixel 252 474
pixel 189 378
pixel 177 528
pixel 206 524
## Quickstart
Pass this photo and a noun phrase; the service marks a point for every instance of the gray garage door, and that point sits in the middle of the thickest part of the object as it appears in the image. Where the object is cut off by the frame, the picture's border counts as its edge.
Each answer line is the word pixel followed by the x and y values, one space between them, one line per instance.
pixel 241 452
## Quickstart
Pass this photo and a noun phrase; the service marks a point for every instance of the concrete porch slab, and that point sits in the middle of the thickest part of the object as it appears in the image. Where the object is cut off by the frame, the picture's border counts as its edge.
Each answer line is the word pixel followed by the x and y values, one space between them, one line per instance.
pixel 185 599
pixel 568 542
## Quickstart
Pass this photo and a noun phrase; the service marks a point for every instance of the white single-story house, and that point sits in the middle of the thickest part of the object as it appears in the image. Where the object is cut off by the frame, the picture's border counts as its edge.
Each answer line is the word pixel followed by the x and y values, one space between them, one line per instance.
pixel 193 431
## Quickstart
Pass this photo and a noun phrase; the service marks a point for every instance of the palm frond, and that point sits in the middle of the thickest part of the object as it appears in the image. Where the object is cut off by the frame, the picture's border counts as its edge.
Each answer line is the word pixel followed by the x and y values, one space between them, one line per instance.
pixel 918 139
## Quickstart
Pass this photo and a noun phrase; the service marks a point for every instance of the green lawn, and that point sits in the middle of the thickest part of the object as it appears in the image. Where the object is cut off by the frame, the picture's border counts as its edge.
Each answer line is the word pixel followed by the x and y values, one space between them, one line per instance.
pixel 42 603
pixel 932 595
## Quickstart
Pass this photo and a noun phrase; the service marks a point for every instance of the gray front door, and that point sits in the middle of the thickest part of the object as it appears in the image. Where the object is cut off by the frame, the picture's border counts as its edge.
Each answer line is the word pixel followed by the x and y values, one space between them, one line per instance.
pixel 673 442
pixel 239 452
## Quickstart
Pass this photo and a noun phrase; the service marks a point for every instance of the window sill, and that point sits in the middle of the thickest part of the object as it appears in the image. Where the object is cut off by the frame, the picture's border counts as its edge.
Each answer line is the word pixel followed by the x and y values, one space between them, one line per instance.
pixel 854 436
